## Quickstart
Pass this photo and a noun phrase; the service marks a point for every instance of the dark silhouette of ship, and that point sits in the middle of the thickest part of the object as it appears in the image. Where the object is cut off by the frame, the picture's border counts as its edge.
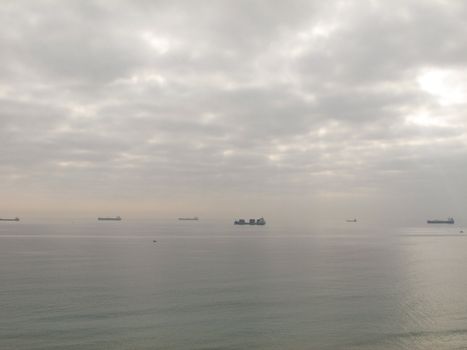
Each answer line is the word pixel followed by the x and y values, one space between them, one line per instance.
pixel 10 219
pixel 116 218
pixel 259 221
pixel 351 220
pixel 436 221
pixel 193 218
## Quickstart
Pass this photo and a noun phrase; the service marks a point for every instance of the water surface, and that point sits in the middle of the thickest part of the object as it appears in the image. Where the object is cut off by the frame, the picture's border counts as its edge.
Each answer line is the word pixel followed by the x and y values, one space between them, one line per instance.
pixel 213 285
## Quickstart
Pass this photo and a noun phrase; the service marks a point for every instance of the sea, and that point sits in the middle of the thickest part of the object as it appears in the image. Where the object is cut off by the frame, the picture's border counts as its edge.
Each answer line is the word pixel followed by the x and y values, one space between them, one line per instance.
pixel 168 284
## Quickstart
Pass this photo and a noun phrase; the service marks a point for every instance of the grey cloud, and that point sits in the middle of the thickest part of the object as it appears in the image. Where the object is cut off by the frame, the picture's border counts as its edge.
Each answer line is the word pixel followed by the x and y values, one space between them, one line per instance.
pixel 210 97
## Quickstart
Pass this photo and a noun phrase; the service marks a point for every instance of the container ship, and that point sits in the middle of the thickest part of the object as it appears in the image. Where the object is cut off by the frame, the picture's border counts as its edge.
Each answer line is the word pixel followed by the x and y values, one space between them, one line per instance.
pixel 447 221
pixel 259 221
pixel 116 218
pixel 13 219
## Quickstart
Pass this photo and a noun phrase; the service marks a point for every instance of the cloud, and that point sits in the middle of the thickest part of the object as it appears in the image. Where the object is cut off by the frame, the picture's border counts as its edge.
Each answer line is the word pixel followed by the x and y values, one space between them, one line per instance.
pixel 209 97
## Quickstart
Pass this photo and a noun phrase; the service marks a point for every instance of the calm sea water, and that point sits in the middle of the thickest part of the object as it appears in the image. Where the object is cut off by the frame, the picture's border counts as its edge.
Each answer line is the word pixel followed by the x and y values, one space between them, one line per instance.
pixel 205 285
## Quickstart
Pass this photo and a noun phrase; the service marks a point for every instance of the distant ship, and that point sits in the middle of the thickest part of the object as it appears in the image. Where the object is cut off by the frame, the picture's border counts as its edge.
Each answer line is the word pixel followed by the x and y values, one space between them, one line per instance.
pixel 448 221
pixel 193 218
pixel 116 218
pixel 351 220
pixel 15 219
pixel 259 221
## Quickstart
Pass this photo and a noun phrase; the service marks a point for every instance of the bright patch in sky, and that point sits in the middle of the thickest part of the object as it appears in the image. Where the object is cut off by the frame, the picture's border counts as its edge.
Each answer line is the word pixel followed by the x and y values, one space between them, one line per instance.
pixel 426 120
pixel 447 85
pixel 159 43
pixel 300 44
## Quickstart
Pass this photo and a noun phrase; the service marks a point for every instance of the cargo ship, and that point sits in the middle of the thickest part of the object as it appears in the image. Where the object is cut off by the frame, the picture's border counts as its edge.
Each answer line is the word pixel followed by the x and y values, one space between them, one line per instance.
pixel 116 218
pixel 447 221
pixel 193 218
pixel 259 221
pixel 14 219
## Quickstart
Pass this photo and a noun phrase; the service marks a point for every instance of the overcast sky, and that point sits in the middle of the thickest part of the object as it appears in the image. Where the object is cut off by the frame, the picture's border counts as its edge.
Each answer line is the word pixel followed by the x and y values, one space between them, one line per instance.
pixel 234 108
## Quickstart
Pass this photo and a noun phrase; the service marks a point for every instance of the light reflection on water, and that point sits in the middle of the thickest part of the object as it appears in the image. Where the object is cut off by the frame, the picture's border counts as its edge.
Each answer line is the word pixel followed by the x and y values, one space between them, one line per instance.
pixel 216 286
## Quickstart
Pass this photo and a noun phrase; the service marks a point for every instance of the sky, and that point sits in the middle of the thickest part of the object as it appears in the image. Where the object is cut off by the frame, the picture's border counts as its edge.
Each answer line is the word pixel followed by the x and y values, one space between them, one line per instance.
pixel 283 109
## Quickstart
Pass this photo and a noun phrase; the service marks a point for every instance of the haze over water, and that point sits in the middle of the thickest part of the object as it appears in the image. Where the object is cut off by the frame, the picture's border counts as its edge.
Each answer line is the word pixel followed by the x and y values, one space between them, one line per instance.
pixel 213 285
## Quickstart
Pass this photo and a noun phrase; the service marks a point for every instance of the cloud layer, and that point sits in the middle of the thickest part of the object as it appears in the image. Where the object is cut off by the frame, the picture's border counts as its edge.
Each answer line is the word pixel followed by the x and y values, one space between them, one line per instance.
pixel 110 102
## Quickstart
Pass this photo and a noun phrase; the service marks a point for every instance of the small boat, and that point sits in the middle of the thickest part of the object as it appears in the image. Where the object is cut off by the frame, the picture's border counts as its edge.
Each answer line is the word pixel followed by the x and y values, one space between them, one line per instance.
pixel 351 220
pixel 116 218
pixel 10 219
